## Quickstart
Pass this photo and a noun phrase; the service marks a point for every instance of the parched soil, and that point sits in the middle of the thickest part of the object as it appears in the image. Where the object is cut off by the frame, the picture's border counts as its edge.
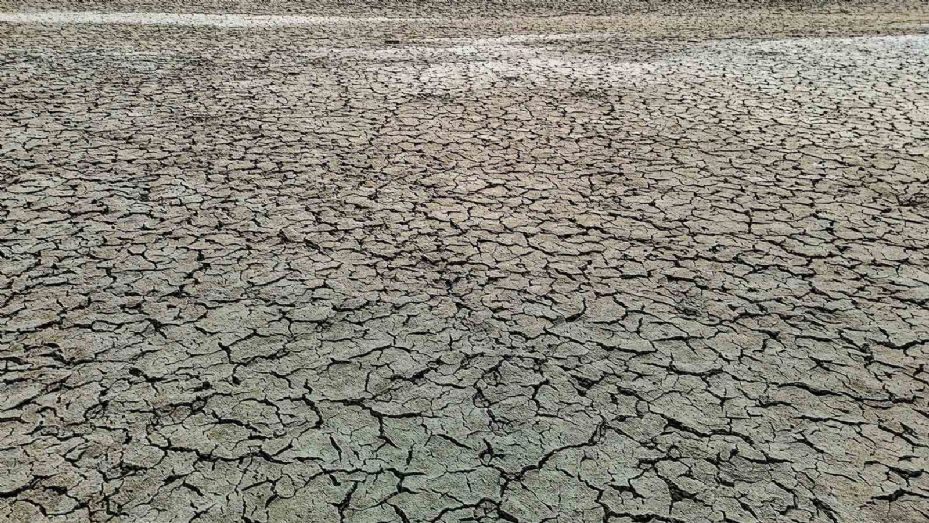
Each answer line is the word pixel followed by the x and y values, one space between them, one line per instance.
pixel 644 266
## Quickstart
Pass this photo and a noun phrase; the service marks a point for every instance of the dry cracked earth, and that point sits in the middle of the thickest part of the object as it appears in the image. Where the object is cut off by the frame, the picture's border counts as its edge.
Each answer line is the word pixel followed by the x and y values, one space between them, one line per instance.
pixel 640 267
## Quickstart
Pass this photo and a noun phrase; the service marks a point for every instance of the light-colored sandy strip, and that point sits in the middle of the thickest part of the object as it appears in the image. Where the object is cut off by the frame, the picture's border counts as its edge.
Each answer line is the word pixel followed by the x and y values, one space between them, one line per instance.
pixel 186 19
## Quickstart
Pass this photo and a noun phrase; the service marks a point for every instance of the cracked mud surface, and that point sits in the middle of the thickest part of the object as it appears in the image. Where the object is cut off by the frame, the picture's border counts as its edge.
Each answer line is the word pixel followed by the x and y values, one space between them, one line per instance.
pixel 629 269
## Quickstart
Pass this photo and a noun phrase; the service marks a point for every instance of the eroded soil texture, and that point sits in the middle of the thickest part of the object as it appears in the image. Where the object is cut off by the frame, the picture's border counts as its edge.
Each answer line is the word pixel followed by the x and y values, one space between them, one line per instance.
pixel 641 268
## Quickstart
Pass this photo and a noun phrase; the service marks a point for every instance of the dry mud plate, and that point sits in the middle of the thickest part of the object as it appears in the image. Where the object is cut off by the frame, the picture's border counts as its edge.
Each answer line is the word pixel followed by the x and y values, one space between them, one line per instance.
pixel 319 266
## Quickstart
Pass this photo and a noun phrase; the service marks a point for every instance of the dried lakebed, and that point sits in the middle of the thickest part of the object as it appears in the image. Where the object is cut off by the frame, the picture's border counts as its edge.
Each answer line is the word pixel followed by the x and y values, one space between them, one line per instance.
pixel 580 268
